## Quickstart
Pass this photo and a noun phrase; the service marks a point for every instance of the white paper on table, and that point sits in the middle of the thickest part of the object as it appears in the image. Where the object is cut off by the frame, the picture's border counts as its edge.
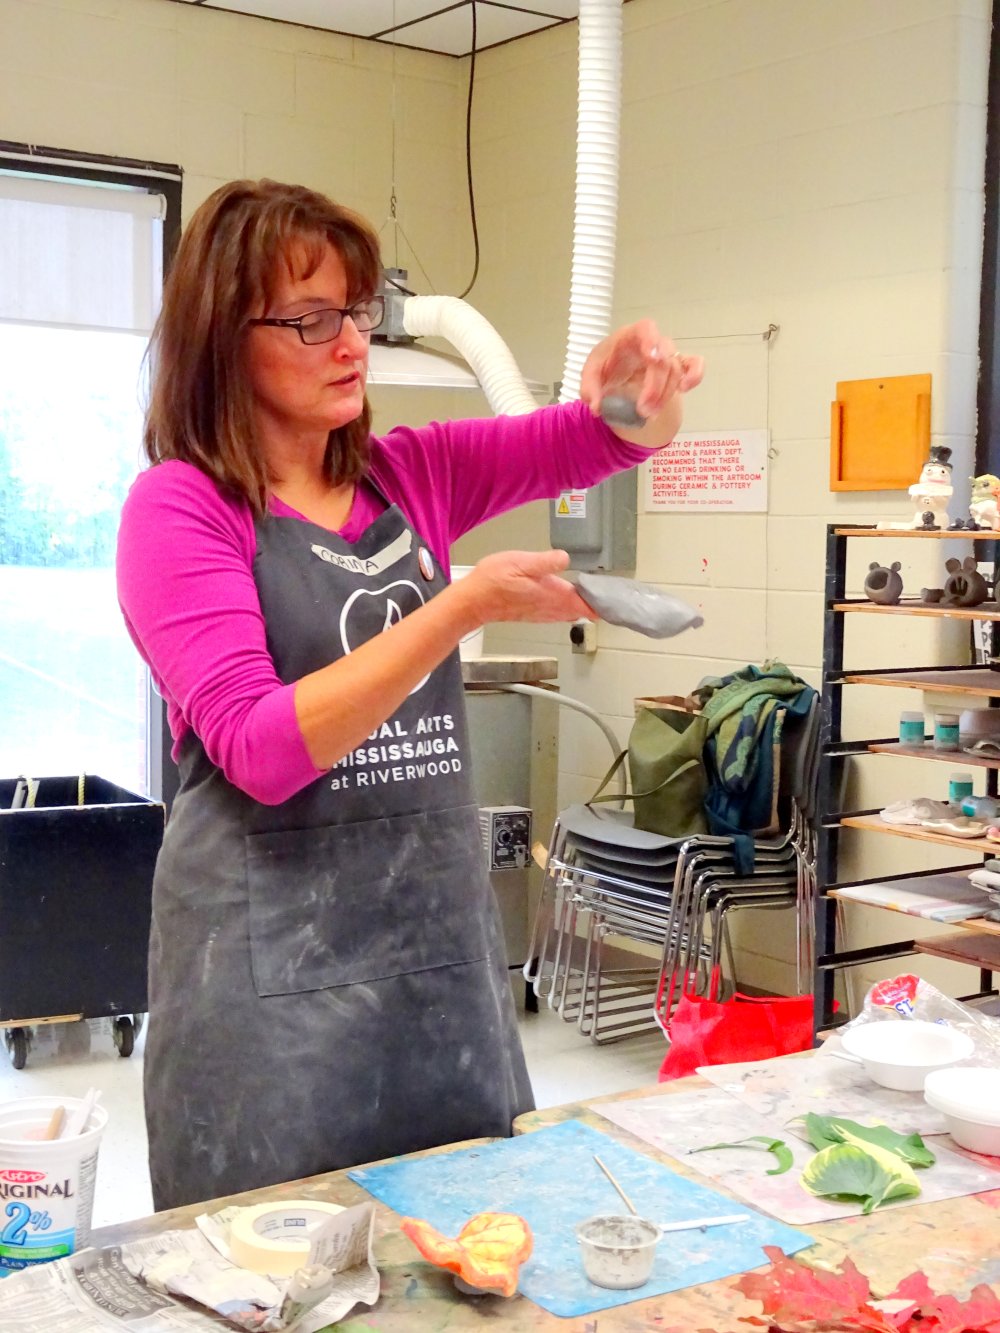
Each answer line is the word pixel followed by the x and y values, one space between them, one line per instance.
pixel 677 1123
pixel 781 1089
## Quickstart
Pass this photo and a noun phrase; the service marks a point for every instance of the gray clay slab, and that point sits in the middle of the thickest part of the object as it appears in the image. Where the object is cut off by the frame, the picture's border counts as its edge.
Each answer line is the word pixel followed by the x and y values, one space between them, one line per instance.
pixel 637 606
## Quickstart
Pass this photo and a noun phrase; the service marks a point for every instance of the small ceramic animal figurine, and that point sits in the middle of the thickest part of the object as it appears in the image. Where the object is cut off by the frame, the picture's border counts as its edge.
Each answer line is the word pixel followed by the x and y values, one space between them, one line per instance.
pixel 930 493
pixel 964 586
pixel 883 585
pixel 983 502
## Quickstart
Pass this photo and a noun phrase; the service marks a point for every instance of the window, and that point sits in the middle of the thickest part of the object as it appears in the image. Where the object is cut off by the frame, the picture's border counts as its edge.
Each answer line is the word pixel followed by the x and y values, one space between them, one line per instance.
pixel 81 259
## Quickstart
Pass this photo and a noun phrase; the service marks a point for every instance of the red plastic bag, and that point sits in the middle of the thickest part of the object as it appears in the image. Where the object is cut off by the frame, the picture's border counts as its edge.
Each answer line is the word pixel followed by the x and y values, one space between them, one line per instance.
pixel 744 1027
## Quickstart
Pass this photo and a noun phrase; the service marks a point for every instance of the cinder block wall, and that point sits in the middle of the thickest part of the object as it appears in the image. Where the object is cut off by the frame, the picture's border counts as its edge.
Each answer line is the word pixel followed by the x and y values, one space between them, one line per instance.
pixel 819 167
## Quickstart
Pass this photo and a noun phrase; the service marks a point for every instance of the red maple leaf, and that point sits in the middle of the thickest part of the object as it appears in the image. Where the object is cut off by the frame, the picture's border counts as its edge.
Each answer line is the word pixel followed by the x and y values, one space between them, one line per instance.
pixel 945 1314
pixel 800 1299
pixel 793 1292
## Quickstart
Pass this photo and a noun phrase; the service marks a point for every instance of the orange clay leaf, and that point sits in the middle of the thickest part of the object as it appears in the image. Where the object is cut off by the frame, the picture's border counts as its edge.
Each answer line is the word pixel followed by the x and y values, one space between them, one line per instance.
pixel 487 1252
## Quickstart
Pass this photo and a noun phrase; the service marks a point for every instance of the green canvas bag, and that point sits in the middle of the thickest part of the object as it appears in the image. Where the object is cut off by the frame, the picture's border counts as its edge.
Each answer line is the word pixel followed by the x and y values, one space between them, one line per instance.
pixel 666 771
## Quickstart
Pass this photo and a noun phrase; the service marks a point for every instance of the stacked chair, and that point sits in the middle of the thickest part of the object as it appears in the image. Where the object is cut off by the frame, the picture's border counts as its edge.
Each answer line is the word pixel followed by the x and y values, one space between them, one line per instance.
pixel 606 880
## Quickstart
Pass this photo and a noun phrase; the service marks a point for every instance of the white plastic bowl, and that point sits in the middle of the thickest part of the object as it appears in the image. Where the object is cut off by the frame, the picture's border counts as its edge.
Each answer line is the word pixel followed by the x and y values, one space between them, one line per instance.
pixel 970 1101
pixel 900 1054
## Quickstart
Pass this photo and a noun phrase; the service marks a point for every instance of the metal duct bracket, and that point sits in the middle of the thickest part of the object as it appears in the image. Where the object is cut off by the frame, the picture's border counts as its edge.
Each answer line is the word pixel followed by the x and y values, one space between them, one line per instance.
pixel 391 330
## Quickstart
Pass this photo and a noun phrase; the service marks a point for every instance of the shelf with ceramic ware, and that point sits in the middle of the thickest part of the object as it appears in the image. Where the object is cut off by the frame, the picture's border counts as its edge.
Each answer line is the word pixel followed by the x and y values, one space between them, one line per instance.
pixel 974 682
pixel 872 823
pixel 924 534
pixel 962 758
pixel 984 681
pixel 914 607
pixel 972 926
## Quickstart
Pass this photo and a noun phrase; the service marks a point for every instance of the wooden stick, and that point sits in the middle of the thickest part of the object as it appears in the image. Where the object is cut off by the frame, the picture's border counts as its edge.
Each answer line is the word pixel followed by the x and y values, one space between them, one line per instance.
pixel 631 1206
pixel 54 1127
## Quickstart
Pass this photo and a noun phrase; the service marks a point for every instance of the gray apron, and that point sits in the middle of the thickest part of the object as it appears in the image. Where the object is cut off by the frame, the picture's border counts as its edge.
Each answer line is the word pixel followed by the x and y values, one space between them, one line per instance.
pixel 328 981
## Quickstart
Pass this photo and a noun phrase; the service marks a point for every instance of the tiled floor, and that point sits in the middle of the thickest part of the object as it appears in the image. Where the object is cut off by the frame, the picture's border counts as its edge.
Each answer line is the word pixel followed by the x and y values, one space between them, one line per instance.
pixel 67 1059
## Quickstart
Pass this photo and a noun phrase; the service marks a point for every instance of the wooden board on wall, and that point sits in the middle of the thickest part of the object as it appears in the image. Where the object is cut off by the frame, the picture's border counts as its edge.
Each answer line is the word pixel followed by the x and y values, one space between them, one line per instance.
pixel 880 433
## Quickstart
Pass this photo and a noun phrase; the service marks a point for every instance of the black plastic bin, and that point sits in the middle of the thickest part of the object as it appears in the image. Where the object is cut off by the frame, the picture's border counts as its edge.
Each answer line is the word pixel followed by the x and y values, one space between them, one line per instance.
pixel 75 888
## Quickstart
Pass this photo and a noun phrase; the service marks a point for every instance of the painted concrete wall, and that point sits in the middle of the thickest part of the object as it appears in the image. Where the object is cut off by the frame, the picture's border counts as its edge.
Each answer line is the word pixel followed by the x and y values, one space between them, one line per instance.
pixel 818 167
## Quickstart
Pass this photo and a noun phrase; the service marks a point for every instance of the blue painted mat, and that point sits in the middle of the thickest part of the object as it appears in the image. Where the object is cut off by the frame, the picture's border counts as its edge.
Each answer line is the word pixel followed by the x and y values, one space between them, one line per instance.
pixel 551 1179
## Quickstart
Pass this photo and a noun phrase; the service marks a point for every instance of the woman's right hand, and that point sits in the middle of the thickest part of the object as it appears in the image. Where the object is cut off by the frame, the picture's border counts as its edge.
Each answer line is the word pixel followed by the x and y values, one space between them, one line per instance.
pixel 521 585
pixel 339 705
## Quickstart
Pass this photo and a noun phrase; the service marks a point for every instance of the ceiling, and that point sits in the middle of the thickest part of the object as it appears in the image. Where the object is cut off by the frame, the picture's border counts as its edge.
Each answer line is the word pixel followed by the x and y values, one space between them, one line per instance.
pixel 431 25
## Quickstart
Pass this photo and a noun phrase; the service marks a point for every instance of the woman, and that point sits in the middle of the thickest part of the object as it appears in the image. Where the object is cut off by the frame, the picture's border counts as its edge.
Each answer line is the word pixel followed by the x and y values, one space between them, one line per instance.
pixel 328 983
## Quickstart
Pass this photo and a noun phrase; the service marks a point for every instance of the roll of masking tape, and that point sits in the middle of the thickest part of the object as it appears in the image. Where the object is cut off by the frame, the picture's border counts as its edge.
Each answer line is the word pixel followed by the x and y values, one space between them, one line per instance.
pixel 274 1238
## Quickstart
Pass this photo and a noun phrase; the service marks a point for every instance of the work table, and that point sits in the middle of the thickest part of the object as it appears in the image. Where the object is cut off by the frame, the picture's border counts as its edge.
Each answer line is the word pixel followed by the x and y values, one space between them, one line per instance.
pixel 956 1242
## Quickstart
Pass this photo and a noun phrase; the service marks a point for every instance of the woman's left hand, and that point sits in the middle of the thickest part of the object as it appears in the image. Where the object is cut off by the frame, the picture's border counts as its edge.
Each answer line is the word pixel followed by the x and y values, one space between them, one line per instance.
pixel 641 362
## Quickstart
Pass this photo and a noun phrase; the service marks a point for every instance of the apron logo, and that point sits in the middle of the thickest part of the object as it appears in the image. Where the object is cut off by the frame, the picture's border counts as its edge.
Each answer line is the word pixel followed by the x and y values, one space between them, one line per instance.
pixel 366 614
pixel 371 565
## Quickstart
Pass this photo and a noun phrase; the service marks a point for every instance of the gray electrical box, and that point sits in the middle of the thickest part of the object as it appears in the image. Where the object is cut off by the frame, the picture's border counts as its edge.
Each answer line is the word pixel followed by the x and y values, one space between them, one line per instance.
pixel 597 526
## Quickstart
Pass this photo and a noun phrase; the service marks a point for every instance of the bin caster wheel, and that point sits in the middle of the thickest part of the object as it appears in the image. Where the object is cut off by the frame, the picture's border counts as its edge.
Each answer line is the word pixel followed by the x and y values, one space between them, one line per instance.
pixel 124 1036
pixel 17 1046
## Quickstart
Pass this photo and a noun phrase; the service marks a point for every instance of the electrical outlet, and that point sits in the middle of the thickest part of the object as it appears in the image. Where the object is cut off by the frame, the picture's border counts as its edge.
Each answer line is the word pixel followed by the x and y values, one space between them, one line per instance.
pixel 583 636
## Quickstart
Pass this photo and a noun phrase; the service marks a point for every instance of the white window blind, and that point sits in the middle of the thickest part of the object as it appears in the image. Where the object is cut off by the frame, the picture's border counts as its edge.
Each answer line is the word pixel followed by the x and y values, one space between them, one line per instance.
pixel 80 256
pixel 80 277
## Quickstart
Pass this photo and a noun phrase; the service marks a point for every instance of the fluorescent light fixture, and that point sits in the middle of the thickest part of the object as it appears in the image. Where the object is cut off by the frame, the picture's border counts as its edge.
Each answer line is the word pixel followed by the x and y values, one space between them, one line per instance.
pixel 415 367
pixel 409 365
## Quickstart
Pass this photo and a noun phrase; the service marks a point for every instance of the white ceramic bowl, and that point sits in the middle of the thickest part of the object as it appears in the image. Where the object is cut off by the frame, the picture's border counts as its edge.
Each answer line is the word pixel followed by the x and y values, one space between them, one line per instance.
pixel 977 724
pixel 900 1054
pixel 970 1101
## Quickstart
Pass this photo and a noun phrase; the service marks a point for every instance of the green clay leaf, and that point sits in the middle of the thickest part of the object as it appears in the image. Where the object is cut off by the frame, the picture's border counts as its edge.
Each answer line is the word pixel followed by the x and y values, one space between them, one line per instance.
pixel 846 1171
pixel 908 1148
pixel 825 1130
pixel 780 1150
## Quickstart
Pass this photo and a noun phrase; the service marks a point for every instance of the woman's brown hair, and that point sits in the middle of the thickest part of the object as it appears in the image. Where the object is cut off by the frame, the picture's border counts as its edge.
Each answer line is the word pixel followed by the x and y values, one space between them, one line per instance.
pixel 201 403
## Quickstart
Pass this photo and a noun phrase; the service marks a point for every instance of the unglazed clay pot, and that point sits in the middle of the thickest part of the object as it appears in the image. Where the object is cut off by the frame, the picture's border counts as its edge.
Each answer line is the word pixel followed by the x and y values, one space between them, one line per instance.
pixel 883 585
pixel 964 586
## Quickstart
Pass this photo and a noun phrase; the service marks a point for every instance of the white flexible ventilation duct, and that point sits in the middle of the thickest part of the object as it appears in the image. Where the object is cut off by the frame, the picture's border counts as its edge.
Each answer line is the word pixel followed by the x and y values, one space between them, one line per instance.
pixel 596 218
pixel 480 344
pixel 592 281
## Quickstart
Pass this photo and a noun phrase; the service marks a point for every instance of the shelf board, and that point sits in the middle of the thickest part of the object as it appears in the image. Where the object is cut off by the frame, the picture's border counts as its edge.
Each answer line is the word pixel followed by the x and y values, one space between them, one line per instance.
pixel 976 924
pixel 960 948
pixel 927 751
pixel 872 823
pixel 972 680
pixel 912 607
pixel 909 533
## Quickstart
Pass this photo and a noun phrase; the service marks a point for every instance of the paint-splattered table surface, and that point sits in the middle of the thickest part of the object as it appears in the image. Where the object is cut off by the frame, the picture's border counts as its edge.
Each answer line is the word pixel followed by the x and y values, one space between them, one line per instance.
pixel 956 1242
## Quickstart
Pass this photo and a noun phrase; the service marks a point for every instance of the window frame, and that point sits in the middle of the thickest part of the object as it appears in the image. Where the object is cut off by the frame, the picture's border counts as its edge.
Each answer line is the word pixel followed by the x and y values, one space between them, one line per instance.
pixel 160 178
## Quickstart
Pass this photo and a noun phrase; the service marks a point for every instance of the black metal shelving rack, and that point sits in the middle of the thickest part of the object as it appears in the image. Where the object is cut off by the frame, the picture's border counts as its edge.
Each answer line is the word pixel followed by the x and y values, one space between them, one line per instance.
pixel 836 752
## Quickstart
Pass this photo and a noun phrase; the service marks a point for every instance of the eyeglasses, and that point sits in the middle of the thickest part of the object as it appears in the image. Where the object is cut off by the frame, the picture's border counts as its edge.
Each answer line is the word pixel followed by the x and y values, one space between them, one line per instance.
pixel 322 326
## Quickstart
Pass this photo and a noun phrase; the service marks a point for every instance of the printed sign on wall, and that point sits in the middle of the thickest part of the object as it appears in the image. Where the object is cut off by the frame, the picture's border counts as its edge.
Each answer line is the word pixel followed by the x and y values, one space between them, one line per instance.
pixel 572 504
pixel 710 473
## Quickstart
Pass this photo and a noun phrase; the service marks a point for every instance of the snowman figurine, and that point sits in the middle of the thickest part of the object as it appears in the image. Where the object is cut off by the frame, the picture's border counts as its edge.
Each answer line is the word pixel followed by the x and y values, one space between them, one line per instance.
pixel 930 493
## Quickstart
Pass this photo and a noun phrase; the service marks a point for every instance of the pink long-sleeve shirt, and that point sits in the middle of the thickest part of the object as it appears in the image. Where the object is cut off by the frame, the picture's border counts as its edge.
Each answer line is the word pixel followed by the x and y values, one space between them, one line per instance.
pixel 185 576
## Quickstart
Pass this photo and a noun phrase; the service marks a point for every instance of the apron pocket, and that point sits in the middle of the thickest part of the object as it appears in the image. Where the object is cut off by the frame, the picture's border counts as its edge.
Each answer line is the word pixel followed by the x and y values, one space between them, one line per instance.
pixel 360 902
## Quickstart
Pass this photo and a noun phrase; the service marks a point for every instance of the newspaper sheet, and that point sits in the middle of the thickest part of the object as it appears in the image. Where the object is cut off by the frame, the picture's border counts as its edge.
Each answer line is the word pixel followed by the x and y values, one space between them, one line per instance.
pixel 175 1281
